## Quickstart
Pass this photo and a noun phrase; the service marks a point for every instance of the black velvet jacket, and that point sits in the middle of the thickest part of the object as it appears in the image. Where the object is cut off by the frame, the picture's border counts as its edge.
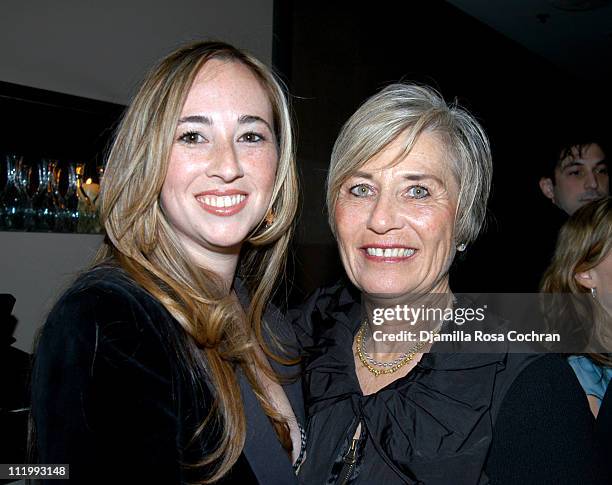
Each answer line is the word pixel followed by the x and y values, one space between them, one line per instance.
pixel 111 397
pixel 461 419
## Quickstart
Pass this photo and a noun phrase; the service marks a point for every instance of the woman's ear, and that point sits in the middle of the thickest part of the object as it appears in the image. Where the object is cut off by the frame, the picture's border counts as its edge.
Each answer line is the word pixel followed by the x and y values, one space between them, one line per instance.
pixel 585 279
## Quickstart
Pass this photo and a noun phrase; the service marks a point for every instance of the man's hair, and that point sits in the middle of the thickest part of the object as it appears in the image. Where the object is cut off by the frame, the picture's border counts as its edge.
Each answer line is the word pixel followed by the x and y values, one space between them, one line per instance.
pixel 563 148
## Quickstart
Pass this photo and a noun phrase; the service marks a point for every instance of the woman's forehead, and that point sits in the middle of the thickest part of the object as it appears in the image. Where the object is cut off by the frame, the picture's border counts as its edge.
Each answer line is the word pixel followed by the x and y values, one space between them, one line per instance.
pixel 227 85
pixel 428 155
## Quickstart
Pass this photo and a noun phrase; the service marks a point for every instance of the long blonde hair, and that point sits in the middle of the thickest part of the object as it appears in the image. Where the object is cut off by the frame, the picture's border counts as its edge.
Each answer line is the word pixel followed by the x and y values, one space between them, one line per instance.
pixel 141 241
pixel 583 243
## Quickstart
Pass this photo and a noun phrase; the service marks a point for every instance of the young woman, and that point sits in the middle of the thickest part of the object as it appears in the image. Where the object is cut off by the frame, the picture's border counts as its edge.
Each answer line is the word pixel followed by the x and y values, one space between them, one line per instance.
pixel 582 265
pixel 161 363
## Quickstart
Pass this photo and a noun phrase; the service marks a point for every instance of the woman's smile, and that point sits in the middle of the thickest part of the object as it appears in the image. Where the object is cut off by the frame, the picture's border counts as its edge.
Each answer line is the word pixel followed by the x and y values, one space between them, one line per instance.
pixel 388 253
pixel 223 202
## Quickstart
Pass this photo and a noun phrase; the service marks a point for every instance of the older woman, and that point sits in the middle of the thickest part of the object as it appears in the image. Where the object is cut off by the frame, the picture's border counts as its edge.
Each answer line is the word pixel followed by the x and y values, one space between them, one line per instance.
pixel 407 189
pixel 156 365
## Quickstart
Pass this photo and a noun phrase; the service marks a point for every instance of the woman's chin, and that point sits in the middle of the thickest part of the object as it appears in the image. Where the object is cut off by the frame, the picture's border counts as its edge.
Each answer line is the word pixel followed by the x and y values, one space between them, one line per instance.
pixel 227 246
pixel 386 290
pixel 397 290
pixel 225 239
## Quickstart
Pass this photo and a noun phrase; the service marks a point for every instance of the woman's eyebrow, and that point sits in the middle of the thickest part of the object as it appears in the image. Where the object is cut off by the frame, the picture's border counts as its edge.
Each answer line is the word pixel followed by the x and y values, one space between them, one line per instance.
pixel 417 177
pixel 245 119
pixel 365 175
pixel 204 120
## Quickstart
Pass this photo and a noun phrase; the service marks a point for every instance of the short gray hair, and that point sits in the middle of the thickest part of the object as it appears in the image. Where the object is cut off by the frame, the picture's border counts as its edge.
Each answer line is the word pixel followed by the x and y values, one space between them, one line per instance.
pixel 414 109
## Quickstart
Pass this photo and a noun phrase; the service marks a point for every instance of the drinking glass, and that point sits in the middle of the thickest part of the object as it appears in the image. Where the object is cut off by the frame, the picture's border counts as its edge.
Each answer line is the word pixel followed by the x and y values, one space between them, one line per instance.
pixel 23 179
pixel 70 209
pixel 12 198
pixel 43 201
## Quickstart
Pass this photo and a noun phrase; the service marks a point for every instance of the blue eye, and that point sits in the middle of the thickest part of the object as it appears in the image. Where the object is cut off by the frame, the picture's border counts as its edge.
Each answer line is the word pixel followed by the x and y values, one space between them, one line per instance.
pixel 361 190
pixel 418 192
pixel 191 138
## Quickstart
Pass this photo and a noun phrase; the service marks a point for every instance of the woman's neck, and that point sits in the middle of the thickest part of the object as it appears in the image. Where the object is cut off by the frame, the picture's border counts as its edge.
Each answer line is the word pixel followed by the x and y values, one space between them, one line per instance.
pixel 222 263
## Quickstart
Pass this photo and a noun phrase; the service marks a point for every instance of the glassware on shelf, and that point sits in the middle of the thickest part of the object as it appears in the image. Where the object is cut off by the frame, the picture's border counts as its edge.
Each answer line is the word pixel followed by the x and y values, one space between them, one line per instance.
pixel 49 196
pixel 70 210
pixel 58 200
pixel 43 201
pixel 12 198
pixel 23 178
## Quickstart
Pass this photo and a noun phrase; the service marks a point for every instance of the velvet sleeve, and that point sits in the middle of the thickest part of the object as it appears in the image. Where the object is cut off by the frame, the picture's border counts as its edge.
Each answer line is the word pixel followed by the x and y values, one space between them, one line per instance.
pixel 102 392
pixel 544 432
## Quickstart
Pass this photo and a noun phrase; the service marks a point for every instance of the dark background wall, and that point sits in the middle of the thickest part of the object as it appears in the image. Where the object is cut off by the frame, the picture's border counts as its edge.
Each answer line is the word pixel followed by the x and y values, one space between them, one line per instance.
pixel 340 54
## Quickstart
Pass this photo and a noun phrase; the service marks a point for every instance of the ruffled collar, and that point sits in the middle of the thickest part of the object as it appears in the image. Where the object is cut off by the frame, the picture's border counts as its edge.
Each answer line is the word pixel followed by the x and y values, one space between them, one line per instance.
pixel 424 425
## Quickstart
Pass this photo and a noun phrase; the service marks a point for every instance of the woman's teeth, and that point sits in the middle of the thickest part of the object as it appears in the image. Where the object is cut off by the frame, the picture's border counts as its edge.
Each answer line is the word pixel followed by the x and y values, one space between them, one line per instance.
pixel 222 201
pixel 390 252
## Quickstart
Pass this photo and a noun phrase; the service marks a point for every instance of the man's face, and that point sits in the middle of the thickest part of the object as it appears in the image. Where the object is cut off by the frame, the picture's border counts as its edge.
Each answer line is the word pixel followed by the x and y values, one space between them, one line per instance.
pixel 579 179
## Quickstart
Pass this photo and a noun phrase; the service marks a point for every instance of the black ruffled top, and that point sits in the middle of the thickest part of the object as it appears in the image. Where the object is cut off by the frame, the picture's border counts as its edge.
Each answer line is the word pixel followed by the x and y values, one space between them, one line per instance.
pixel 433 426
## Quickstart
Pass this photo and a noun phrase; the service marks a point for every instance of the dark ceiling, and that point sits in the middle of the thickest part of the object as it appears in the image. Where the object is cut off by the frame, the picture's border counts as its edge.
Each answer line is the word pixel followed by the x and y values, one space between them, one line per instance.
pixel 575 35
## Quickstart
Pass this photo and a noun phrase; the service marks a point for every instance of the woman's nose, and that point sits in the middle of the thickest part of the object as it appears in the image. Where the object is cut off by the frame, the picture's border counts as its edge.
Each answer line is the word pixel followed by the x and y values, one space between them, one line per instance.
pixel 225 163
pixel 384 216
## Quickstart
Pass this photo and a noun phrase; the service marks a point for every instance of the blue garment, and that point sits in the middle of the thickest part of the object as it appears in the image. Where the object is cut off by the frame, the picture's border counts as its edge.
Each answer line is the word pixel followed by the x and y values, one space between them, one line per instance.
pixel 593 378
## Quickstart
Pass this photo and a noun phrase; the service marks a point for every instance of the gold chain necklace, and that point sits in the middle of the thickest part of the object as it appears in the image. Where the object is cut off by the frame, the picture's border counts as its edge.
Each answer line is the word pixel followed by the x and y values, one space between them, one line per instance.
pixel 397 365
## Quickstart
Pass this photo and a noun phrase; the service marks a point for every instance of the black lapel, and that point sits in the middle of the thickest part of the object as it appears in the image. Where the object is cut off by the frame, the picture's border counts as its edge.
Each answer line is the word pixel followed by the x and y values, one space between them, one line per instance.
pixel 278 325
pixel 269 462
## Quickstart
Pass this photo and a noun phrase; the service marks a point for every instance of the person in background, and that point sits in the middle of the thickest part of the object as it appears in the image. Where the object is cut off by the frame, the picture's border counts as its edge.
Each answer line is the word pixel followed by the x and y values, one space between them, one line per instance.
pixel 576 176
pixel 161 363
pixel 582 265
pixel 573 170
pixel 574 173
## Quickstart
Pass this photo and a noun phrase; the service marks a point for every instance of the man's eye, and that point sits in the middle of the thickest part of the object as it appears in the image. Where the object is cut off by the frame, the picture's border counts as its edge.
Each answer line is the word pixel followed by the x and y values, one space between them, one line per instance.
pixel 191 138
pixel 417 192
pixel 602 170
pixel 361 190
pixel 251 137
pixel 574 172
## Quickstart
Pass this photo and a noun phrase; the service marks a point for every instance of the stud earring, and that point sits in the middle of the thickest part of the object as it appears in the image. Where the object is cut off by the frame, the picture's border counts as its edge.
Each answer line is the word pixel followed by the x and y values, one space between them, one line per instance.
pixel 461 247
